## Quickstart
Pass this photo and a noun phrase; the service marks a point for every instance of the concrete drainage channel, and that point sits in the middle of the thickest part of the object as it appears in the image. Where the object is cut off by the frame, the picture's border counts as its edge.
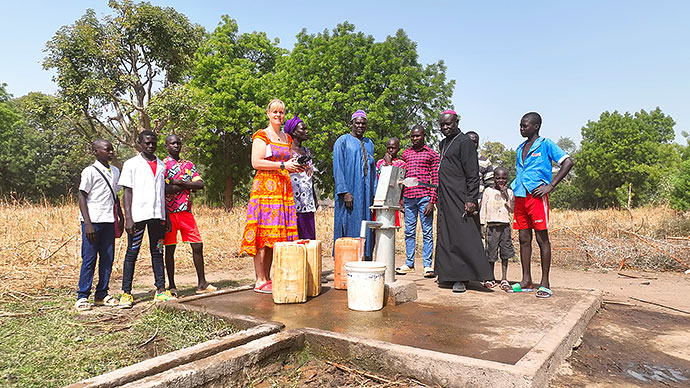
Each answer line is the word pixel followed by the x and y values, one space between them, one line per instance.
pixel 265 345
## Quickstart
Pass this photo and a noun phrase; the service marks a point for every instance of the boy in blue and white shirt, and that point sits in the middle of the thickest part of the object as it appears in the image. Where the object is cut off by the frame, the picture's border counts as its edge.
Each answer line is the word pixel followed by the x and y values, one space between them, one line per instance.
pixel 532 185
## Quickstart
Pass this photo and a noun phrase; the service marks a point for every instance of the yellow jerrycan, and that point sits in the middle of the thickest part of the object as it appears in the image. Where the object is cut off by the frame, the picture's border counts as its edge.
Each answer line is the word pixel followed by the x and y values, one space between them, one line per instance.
pixel 289 272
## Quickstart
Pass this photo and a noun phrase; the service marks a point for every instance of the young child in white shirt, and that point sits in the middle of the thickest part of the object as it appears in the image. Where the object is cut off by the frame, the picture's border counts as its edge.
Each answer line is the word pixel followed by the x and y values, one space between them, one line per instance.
pixel 98 207
pixel 143 179
pixel 497 205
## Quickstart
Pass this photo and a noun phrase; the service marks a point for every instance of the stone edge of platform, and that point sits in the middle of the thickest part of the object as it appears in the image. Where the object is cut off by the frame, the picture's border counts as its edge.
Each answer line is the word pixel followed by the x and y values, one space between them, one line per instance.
pixel 165 362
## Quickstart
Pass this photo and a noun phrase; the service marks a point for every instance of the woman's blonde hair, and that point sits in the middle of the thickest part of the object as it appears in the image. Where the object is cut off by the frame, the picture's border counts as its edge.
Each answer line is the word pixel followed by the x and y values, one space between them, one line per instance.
pixel 275 103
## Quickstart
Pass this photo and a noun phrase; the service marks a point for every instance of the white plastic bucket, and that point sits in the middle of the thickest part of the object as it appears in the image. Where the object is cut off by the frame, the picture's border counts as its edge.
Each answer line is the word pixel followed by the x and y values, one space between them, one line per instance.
pixel 365 283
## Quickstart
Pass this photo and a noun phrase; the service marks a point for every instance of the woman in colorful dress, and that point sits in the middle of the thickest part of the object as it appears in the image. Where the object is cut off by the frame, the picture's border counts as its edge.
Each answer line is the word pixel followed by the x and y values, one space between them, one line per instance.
pixel 271 213
pixel 303 182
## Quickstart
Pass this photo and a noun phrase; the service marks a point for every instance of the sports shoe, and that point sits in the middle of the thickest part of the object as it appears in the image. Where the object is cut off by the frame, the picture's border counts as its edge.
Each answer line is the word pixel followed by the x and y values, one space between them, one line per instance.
pixel 429 272
pixel 126 301
pixel 404 269
pixel 163 297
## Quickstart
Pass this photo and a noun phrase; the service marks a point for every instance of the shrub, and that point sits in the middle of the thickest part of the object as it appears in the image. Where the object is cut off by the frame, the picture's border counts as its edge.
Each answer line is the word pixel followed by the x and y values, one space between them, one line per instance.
pixel 680 193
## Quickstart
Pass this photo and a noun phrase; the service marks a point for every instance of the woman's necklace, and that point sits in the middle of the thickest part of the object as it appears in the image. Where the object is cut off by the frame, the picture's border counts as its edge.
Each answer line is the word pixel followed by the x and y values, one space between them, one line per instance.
pixel 272 135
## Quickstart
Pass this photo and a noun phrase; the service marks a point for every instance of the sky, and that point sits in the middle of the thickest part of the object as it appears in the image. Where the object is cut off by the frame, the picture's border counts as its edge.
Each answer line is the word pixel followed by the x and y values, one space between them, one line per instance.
pixel 568 60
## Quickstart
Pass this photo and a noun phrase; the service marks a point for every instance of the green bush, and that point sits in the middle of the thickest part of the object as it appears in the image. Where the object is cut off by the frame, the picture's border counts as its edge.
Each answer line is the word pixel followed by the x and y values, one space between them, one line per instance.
pixel 566 196
pixel 680 193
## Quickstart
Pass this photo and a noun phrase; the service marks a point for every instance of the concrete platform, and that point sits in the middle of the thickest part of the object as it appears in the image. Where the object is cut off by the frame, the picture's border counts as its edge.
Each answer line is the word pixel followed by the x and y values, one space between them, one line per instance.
pixel 478 338
pixel 513 333
pixel 493 326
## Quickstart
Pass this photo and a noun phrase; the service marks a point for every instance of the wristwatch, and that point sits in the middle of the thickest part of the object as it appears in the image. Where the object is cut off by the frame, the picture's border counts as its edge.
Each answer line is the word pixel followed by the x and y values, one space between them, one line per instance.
pixel 282 166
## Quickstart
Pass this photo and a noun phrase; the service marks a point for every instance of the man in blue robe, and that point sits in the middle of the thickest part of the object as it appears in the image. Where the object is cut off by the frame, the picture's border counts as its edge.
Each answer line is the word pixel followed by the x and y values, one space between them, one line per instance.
pixel 354 170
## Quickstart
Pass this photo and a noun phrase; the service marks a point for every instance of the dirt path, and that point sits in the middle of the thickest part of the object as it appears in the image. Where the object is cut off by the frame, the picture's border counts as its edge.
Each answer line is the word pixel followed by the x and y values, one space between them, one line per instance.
pixel 631 343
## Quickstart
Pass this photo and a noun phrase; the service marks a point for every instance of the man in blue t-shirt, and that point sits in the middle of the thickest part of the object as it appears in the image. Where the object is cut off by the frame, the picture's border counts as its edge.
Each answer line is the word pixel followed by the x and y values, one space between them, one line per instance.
pixel 532 185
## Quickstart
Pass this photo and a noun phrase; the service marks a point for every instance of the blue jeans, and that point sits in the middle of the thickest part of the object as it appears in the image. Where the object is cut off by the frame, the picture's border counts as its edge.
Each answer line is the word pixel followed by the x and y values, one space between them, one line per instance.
pixel 414 207
pixel 102 248
pixel 156 234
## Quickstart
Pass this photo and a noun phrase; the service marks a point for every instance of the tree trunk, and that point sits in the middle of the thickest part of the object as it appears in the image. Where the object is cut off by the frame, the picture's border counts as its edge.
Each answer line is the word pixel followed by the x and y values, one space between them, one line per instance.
pixel 229 191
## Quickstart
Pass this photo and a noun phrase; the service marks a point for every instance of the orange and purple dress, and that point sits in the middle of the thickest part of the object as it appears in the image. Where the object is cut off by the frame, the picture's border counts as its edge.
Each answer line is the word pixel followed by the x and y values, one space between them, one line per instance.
pixel 271 215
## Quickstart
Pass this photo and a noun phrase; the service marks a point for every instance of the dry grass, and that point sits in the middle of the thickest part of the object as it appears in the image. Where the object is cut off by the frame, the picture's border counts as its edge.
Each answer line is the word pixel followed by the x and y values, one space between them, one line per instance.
pixel 40 243
pixel 642 239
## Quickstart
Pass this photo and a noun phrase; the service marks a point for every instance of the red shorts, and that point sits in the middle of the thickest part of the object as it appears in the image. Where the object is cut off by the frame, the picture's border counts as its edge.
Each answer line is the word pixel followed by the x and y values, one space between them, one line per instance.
pixel 531 213
pixel 186 224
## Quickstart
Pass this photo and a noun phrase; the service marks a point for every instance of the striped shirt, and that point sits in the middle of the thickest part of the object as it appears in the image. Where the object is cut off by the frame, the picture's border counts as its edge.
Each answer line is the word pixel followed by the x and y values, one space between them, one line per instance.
pixel 486 174
pixel 423 165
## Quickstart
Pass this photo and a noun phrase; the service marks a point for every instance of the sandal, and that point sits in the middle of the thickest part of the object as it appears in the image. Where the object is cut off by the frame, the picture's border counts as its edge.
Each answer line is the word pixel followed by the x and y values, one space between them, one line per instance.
pixel 489 284
pixel 518 288
pixel 544 292
pixel 404 269
pixel 108 301
pixel 505 285
pixel 82 304
pixel 264 288
pixel 208 290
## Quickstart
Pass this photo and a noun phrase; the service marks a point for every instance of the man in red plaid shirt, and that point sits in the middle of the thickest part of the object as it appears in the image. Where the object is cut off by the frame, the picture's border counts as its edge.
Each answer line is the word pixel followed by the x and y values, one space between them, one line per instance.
pixel 422 163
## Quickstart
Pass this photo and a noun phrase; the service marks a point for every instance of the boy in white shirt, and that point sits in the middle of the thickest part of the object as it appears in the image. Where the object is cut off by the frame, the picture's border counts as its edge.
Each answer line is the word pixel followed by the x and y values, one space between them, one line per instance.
pixel 497 205
pixel 143 179
pixel 97 207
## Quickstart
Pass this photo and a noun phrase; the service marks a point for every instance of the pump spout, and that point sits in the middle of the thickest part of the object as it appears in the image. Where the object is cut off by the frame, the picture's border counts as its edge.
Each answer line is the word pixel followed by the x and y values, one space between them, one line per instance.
pixel 368 224
pixel 363 235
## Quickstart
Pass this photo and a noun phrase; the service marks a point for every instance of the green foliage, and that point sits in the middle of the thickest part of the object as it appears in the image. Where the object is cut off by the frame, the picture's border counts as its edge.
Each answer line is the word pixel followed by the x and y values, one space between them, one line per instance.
pixel 108 71
pixel 15 147
pixel 230 75
pixel 500 156
pixel 329 75
pixel 567 196
pixel 621 149
pixel 39 156
pixel 680 194
pixel 567 144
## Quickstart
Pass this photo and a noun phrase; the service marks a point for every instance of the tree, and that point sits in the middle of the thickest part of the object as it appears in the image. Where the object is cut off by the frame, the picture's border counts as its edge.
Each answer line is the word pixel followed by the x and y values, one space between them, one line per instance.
pixel 680 193
pixel 230 74
pixel 109 71
pixel 329 75
pixel 12 178
pixel 567 144
pixel 38 153
pixel 500 156
pixel 619 150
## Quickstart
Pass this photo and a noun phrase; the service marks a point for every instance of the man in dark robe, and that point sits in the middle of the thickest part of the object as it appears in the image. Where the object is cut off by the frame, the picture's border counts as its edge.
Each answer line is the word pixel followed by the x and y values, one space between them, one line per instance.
pixel 460 255
pixel 354 170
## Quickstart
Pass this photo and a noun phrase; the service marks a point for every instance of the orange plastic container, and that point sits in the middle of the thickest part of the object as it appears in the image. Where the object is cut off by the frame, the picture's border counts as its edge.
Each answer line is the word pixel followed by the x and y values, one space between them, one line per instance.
pixel 346 250
pixel 289 272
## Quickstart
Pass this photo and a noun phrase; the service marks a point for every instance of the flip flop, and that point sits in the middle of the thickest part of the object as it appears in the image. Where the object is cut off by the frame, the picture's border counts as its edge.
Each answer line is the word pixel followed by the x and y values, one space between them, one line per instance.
pixel 208 290
pixel 264 288
pixel 544 292
pixel 518 288
pixel 505 285
pixel 489 284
